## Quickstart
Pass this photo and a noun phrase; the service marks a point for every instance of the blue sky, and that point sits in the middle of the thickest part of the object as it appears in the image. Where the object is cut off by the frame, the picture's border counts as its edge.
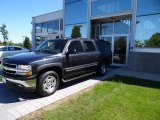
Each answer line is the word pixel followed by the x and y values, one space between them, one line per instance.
pixel 17 15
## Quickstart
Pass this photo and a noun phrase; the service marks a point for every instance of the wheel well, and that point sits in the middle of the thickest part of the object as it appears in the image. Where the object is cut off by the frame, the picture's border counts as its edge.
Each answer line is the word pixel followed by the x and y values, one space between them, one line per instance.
pixel 56 69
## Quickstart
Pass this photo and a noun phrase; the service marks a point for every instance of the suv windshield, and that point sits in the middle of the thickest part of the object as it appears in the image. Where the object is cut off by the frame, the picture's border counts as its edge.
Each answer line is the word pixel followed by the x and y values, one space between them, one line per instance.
pixel 52 46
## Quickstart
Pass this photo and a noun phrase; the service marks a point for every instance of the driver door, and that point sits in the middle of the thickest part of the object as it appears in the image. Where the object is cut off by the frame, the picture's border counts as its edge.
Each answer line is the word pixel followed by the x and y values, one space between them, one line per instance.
pixel 74 63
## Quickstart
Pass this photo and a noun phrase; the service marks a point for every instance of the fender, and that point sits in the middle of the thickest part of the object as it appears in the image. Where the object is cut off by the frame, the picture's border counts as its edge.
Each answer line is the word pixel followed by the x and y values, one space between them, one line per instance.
pixel 49 65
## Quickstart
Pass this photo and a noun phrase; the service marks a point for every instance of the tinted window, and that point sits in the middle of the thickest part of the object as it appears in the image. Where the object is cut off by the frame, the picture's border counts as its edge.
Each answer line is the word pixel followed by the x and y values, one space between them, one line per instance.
pixel 89 46
pixel 103 46
pixel 11 48
pixel 75 47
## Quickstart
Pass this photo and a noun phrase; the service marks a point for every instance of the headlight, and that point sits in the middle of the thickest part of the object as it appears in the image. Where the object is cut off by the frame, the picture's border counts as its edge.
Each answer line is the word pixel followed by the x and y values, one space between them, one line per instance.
pixel 25 67
pixel 24 70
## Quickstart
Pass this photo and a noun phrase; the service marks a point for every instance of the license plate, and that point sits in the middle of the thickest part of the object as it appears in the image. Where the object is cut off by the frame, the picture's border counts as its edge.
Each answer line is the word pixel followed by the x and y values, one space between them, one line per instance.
pixel 4 80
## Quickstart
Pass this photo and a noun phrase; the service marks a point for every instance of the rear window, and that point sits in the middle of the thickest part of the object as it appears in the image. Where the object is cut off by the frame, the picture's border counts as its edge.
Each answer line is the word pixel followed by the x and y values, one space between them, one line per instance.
pixel 89 46
pixel 103 45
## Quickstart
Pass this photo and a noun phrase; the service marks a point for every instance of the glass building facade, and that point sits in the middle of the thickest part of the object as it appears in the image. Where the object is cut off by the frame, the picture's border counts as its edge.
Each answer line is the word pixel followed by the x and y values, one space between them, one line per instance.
pixel 76 14
pixel 129 23
pixel 131 26
pixel 147 24
pixel 101 7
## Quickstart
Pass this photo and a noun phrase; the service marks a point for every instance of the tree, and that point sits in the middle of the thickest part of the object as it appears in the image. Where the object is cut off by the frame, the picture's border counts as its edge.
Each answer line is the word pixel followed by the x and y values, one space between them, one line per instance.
pixel 10 43
pixel 27 43
pixel 4 33
pixel 154 41
pixel 76 33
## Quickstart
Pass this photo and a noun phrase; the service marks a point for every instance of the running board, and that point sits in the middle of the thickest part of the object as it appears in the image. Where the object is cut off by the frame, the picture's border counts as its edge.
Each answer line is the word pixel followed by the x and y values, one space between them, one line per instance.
pixel 81 76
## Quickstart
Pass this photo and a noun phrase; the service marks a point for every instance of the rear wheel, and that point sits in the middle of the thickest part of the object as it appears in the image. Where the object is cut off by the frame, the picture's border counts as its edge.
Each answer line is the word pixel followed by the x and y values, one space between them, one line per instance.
pixel 48 83
pixel 102 69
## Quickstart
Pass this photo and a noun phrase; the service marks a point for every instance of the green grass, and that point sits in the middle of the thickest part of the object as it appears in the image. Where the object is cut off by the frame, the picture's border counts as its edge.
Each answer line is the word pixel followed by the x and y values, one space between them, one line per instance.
pixel 121 98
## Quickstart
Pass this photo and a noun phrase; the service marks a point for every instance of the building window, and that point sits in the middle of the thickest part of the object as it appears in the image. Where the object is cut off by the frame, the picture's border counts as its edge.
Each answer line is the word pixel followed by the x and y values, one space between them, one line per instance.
pixel 146 7
pixel 148 31
pixel 44 27
pixel 38 28
pixel 61 24
pixel 76 12
pixel 56 25
pixel 107 28
pixel 147 24
pixel 50 26
pixel 100 7
pixel 121 26
pixel 83 30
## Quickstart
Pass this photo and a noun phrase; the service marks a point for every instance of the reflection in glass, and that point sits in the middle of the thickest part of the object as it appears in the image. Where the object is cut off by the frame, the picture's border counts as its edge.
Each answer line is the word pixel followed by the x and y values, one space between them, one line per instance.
pixel 107 28
pixel 100 7
pixel 83 29
pixel 148 7
pixel 39 40
pixel 120 44
pixel 147 27
pixel 122 26
pixel 76 12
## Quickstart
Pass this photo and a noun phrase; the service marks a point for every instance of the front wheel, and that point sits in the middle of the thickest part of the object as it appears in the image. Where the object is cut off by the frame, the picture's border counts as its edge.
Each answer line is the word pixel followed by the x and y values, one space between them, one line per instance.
pixel 48 83
pixel 102 69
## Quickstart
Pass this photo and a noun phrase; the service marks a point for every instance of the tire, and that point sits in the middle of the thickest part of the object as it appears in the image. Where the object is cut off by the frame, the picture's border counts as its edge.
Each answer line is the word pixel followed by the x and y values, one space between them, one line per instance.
pixel 102 69
pixel 48 83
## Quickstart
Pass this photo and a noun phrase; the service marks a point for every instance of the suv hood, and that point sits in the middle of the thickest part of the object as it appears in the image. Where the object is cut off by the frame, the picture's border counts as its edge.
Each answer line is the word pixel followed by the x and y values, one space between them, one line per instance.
pixel 23 58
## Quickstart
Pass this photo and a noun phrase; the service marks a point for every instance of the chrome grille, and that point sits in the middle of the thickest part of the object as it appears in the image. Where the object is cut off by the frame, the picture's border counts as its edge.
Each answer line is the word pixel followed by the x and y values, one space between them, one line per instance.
pixel 9 68
pixel 9 65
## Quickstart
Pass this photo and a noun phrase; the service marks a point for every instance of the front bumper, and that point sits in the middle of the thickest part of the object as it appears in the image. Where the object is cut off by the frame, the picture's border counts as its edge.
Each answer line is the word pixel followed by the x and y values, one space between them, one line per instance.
pixel 27 84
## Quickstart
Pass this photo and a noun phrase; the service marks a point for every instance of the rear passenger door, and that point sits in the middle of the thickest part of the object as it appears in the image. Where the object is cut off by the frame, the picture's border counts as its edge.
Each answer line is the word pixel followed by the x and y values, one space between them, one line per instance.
pixel 75 63
pixel 92 55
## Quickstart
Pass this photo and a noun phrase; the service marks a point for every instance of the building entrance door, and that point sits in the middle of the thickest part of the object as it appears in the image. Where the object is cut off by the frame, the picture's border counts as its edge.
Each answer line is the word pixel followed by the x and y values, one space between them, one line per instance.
pixel 119 47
